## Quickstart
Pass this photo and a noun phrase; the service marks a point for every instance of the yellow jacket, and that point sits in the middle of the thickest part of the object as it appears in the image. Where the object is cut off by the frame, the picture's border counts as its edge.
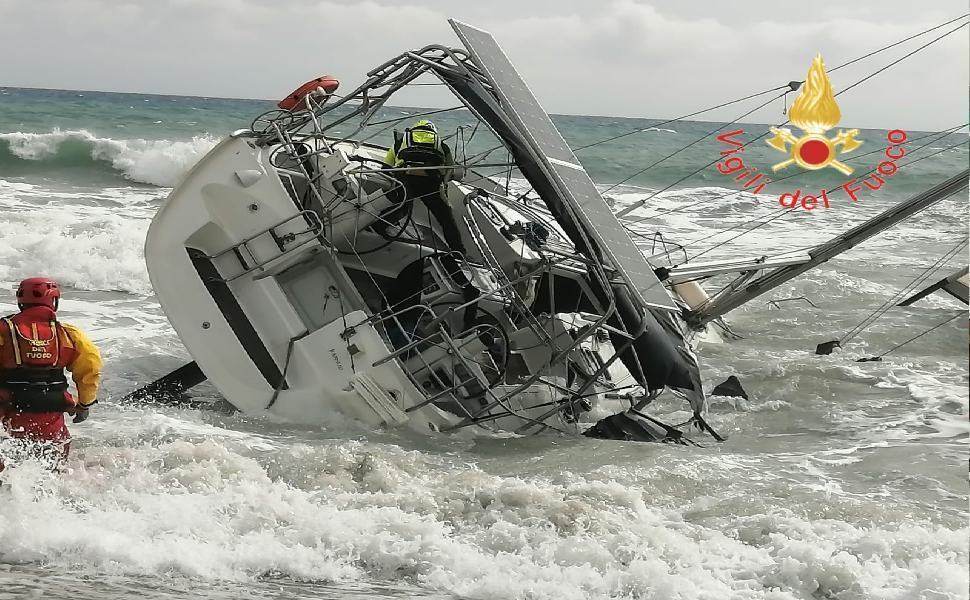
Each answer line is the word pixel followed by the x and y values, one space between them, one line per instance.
pixel 86 367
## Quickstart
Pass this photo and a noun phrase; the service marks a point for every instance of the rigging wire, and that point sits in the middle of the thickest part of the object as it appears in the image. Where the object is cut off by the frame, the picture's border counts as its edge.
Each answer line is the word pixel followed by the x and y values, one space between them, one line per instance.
pixel 899 295
pixel 902 58
pixel 939 135
pixel 682 117
pixel 913 339
pixel 640 203
pixel 393 122
pixel 894 44
pixel 417 114
pixel 784 211
pixel 936 137
pixel 790 87
pixel 697 141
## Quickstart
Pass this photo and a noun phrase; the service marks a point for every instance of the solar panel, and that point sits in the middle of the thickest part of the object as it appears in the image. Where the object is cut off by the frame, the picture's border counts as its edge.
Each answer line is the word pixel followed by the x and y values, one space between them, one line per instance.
pixel 573 180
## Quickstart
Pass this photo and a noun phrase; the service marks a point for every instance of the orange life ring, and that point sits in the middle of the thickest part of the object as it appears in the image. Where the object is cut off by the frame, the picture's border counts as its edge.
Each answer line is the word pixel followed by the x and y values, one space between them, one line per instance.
pixel 297 100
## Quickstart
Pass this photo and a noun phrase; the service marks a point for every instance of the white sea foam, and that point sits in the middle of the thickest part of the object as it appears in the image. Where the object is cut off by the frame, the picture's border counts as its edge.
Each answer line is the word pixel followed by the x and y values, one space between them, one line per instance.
pixel 215 505
pixel 98 255
pixel 85 240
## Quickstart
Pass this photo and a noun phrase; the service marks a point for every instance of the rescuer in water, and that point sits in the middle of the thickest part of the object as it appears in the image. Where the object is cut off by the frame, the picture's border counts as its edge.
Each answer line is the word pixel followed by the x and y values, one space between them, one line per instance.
pixel 35 349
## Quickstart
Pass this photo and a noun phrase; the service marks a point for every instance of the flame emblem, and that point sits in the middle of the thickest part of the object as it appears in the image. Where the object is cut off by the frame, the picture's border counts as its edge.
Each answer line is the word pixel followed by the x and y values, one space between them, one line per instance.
pixel 815 111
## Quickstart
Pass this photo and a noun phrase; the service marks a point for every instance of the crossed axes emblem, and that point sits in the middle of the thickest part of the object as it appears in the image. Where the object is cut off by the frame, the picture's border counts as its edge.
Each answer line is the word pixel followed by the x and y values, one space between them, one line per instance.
pixel 814 150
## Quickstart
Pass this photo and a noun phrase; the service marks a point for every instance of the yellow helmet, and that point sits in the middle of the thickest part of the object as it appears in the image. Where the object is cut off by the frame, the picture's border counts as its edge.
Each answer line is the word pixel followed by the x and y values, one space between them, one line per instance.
pixel 424 124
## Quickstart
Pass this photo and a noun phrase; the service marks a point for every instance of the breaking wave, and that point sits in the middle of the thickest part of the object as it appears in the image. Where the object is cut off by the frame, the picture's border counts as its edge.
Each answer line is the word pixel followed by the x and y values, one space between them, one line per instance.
pixel 156 162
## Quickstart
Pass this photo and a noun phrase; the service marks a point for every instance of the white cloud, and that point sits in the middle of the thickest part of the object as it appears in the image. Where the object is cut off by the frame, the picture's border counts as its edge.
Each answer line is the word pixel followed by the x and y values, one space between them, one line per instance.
pixel 648 59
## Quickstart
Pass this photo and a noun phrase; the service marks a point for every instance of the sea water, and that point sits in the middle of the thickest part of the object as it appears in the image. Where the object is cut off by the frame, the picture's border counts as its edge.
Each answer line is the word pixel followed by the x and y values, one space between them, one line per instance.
pixel 839 479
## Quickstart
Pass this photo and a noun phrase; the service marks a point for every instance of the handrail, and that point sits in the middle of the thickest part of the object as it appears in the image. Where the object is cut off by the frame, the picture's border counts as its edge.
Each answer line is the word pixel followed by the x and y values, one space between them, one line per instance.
pixel 314 227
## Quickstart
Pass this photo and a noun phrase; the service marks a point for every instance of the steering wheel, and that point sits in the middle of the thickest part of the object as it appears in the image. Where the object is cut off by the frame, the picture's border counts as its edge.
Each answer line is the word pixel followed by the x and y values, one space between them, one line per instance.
pixel 490 333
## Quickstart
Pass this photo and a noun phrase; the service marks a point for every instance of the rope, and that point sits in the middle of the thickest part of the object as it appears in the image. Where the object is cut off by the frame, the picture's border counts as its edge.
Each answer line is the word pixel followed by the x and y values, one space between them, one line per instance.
pixel 894 348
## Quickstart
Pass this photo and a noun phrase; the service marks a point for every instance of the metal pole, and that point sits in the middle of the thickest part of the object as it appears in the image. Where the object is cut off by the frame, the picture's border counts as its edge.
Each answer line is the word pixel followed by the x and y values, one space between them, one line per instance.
pixel 832 248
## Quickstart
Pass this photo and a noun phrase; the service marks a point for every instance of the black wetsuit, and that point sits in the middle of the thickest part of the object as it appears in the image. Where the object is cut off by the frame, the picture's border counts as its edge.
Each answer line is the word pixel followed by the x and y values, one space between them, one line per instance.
pixel 427 188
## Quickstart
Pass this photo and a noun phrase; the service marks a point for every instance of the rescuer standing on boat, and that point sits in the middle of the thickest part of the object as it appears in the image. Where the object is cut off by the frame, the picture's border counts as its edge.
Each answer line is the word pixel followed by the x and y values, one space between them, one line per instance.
pixel 430 163
pixel 421 146
pixel 35 349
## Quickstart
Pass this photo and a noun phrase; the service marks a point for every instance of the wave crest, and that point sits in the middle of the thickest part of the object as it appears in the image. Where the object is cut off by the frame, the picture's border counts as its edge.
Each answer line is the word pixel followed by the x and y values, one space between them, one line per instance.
pixel 156 162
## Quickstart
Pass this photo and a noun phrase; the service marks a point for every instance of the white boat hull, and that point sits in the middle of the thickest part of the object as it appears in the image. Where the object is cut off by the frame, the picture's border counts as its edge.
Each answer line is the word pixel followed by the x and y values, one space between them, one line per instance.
pixel 215 208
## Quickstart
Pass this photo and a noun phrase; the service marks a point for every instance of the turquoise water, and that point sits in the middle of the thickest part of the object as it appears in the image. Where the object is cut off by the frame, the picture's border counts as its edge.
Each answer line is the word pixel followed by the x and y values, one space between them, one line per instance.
pixel 839 479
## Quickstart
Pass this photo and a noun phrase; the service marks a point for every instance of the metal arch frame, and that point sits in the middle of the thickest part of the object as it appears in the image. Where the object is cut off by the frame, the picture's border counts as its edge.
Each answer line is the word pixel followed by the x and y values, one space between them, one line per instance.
pixel 413 64
pixel 445 62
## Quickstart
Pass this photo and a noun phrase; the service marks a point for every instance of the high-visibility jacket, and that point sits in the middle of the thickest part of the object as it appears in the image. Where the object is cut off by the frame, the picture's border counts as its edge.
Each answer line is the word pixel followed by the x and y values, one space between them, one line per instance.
pixel 35 350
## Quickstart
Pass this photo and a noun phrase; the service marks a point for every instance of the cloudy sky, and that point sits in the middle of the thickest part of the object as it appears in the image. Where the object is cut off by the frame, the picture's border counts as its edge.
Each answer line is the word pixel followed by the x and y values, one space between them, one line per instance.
pixel 646 58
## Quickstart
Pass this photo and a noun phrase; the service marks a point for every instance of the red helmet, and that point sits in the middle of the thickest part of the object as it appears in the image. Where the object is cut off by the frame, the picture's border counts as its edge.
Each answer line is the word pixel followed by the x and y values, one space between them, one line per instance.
pixel 38 291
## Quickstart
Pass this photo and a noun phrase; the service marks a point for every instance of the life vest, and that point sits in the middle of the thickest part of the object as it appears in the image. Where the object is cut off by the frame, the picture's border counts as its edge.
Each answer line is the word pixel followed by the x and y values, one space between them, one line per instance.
pixel 419 146
pixel 34 350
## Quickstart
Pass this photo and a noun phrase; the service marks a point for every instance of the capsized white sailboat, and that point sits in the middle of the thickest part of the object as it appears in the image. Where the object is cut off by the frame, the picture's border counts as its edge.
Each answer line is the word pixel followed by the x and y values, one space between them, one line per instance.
pixel 295 268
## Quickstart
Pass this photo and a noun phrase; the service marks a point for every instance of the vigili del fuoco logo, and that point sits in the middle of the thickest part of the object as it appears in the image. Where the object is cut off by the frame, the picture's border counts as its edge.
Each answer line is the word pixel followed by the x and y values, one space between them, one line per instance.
pixel 815 111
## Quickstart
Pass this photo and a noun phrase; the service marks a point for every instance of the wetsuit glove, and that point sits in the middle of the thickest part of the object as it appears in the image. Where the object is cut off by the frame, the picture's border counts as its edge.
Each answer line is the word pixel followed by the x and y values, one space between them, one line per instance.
pixel 81 414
